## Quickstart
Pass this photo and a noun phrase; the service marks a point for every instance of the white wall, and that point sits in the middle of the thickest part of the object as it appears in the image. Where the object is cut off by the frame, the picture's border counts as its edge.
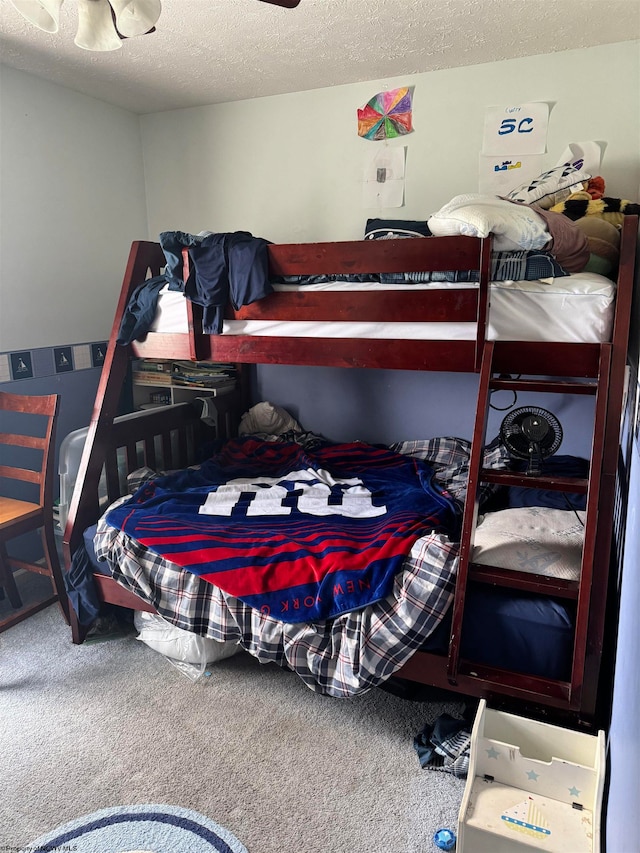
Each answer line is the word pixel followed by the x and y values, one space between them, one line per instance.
pixel 289 168
pixel 71 202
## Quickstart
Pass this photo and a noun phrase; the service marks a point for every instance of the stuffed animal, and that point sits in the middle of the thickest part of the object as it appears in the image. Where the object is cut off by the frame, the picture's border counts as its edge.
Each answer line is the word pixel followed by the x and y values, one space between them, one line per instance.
pixel 604 245
pixel 595 186
pixel 582 204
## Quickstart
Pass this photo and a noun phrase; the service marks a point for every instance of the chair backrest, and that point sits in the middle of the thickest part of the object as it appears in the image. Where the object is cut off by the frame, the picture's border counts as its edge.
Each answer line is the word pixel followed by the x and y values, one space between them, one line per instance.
pixel 28 422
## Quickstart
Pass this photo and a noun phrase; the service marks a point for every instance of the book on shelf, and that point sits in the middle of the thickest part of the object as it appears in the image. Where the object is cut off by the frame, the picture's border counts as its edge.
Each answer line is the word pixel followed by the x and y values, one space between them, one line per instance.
pixel 168 366
pixel 150 377
pixel 205 366
pixel 145 365
pixel 205 386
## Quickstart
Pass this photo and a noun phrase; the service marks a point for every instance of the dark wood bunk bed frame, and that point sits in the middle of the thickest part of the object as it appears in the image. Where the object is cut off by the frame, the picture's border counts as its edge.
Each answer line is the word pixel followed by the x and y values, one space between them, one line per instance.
pixel 169 435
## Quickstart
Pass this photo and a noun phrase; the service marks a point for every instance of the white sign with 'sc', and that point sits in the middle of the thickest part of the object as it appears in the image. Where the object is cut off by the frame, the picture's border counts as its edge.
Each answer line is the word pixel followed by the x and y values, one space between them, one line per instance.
pixel 516 129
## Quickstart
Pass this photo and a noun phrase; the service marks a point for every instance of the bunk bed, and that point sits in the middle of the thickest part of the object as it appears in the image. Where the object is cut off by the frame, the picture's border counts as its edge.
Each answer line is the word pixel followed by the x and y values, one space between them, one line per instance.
pixel 592 364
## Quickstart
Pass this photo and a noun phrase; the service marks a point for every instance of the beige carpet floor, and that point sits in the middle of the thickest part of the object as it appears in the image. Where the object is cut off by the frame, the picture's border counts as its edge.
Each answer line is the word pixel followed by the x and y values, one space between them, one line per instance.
pixel 284 769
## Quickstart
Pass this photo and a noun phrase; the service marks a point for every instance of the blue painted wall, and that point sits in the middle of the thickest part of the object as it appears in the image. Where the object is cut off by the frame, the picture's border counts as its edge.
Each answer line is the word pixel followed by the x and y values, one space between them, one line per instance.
pixel 392 405
pixel 77 390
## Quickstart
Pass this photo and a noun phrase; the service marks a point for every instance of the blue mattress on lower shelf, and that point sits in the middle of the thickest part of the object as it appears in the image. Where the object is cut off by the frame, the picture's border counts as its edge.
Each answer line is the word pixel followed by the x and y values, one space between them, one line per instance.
pixel 512 630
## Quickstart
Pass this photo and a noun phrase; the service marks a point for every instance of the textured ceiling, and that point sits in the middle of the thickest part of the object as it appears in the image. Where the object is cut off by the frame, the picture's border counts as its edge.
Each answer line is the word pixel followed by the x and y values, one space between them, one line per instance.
pixel 212 51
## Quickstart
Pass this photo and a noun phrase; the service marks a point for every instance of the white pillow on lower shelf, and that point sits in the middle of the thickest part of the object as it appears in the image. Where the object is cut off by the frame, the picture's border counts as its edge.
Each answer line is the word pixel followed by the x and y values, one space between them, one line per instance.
pixel 178 644
pixel 536 540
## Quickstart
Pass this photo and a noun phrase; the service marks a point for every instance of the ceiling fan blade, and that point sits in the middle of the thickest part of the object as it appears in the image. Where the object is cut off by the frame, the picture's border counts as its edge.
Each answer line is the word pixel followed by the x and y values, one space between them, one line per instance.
pixel 287 4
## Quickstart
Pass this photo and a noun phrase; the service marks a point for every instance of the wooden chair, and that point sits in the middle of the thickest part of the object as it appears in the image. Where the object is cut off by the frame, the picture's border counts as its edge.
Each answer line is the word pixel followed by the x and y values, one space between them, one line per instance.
pixel 28 458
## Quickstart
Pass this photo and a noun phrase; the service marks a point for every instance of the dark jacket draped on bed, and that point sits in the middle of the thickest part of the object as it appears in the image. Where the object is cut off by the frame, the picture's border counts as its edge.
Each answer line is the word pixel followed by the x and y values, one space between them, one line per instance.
pixel 227 267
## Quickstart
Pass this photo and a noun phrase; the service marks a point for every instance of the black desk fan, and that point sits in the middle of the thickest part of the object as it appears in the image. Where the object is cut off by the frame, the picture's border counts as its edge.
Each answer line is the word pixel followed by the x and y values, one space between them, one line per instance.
pixel 532 434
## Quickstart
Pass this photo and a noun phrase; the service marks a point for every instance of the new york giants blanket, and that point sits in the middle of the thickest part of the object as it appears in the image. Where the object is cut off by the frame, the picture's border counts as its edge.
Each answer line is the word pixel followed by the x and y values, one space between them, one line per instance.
pixel 300 535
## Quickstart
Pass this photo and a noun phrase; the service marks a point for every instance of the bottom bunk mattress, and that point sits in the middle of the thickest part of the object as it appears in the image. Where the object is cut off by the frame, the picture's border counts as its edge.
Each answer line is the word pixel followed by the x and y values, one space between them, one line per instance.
pixel 359 649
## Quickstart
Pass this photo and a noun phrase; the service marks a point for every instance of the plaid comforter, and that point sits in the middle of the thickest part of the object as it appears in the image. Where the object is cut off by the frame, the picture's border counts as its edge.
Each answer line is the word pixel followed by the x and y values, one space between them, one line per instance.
pixel 339 657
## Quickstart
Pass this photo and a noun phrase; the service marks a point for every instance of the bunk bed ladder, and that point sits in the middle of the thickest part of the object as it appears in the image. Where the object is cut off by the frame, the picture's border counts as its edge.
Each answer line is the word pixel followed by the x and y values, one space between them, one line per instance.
pixel 567 693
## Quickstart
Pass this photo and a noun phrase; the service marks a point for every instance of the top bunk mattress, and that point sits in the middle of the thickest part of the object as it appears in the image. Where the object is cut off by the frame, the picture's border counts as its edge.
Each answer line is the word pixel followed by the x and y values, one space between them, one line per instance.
pixel 574 309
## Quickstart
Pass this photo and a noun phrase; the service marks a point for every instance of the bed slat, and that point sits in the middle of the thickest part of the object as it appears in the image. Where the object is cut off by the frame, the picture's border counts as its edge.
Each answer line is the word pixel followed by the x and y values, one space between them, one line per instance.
pixel 370 306
pixel 375 256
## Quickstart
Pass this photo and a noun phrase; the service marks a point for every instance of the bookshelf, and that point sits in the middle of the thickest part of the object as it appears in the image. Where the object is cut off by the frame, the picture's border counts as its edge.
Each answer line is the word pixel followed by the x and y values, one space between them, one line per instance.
pixel 165 383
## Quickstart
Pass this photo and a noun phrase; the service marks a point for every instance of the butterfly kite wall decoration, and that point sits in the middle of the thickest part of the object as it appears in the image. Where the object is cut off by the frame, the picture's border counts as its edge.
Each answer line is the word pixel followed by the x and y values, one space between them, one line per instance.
pixel 386 115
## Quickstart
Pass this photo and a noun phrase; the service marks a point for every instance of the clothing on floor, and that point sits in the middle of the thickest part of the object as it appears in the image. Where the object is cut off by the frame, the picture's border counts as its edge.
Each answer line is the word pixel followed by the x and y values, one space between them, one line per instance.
pixel 444 746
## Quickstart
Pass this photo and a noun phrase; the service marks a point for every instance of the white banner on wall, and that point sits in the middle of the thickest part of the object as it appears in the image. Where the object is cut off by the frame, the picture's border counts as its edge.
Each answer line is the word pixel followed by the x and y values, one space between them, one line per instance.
pixel 517 129
pixel 500 175
pixel 585 156
pixel 383 184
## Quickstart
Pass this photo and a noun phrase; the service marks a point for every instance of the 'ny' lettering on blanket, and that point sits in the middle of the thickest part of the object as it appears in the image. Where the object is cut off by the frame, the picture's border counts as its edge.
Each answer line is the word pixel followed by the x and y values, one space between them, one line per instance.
pixel 299 535
pixel 311 492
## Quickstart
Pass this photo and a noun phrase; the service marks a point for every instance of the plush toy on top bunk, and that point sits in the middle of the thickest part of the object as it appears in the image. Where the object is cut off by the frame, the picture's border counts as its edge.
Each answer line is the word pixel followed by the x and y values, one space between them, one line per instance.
pixel 582 204
pixel 600 218
pixel 581 199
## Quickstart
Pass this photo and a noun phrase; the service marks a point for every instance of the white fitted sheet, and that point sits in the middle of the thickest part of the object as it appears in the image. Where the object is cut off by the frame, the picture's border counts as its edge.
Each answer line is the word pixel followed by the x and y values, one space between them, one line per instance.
pixel 576 309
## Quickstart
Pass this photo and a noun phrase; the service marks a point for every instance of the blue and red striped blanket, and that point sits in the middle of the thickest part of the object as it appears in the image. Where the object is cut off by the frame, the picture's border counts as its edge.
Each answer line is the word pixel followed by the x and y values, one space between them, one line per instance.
pixel 300 535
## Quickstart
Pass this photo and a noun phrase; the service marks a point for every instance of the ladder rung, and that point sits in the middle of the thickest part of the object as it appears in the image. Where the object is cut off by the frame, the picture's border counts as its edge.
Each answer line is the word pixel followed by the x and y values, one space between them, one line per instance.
pixel 572 485
pixel 535 684
pixel 544 385
pixel 512 579
pixel 539 359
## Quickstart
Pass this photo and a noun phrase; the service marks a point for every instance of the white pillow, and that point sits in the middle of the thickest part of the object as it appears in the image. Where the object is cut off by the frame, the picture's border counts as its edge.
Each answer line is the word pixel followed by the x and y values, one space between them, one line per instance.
pixel 514 226
pixel 536 540
pixel 265 418
pixel 178 644
pixel 550 187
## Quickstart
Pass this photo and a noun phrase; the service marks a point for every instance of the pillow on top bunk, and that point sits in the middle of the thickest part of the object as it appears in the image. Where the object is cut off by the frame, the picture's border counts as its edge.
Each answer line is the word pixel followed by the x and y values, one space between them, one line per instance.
pixel 393 229
pixel 550 187
pixel 514 226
